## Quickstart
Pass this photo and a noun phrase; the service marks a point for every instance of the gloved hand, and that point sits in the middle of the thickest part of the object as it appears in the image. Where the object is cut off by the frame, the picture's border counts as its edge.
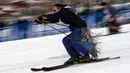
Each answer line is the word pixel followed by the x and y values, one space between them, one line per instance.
pixel 41 19
pixel 111 20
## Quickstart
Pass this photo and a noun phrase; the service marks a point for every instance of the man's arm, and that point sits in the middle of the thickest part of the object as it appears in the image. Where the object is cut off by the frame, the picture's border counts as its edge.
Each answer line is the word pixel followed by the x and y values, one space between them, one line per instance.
pixel 50 18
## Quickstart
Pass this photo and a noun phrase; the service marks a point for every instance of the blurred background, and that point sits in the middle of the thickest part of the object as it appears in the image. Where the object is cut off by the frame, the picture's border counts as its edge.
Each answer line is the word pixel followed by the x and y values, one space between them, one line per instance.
pixel 16 16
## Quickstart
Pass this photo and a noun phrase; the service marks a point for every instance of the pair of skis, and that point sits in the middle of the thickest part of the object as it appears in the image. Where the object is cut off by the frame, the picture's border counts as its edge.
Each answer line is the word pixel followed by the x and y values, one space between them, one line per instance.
pixel 68 65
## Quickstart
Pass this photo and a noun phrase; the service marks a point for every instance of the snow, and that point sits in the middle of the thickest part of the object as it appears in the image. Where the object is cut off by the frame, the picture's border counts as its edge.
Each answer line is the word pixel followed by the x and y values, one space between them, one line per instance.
pixel 21 55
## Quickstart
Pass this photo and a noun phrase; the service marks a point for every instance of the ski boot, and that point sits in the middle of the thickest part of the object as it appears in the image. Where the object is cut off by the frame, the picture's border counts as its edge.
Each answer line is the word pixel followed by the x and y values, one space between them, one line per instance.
pixel 72 60
pixel 85 58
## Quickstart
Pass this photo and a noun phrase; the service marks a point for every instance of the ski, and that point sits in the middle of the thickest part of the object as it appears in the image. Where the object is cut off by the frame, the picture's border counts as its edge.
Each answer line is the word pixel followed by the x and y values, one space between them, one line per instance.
pixel 68 65
pixel 110 34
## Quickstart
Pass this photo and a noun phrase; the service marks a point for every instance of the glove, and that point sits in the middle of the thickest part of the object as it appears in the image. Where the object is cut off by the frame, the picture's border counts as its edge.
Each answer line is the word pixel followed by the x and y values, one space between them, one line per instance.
pixel 111 20
pixel 41 19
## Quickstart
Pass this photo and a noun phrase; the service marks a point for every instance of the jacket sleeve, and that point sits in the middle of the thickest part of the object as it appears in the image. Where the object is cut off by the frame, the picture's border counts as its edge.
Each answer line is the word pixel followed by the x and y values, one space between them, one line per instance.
pixel 52 18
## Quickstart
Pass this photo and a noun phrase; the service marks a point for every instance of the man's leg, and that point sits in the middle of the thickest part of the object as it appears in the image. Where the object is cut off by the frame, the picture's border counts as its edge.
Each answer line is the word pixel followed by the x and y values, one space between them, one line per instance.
pixel 66 42
pixel 85 57
pixel 74 55
pixel 79 48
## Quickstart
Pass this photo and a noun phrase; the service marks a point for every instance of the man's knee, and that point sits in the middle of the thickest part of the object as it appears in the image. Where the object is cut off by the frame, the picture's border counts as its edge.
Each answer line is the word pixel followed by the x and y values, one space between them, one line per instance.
pixel 65 40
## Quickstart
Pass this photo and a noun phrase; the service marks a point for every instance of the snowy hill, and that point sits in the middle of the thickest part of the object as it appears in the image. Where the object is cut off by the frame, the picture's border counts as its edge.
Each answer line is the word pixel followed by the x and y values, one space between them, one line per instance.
pixel 19 56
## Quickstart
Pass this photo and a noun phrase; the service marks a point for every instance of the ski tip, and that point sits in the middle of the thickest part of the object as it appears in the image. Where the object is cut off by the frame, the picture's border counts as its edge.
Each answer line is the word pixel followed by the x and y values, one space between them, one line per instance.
pixel 35 69
pixel 116 57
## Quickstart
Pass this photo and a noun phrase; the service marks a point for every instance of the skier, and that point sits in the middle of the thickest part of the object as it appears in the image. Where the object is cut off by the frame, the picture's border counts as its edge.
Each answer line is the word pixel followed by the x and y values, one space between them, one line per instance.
pixel 79 43
pixel 111 15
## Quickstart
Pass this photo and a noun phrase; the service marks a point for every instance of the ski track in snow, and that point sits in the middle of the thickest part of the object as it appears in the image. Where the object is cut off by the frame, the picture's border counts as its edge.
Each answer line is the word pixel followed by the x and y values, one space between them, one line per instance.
pixel 21 55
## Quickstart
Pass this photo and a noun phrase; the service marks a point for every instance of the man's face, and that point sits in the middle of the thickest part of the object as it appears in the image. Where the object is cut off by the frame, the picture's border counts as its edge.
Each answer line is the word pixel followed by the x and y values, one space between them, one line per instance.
pixel 55 9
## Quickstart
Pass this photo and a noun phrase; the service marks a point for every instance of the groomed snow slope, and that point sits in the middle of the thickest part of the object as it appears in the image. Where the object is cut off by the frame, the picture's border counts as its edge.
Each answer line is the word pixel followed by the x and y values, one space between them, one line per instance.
pixel 19 56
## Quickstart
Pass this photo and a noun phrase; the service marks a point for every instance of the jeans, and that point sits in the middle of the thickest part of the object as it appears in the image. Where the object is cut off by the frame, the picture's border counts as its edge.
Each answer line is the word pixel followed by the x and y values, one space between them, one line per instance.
pixel 74 49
